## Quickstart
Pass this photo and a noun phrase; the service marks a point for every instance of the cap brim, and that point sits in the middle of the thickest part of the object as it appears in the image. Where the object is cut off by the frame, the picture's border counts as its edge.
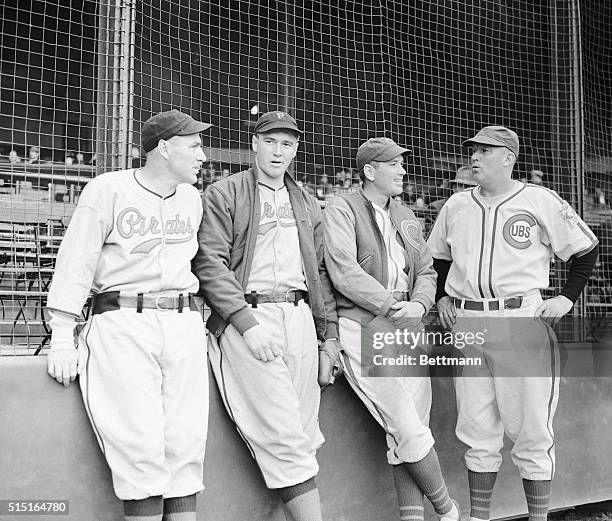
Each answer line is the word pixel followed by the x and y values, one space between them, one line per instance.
pixel 194 127
pixel 392 152
pixel 278 125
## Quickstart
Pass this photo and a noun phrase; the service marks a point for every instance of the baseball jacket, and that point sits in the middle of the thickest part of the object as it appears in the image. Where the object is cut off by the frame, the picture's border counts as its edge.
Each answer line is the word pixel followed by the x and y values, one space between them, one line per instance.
pixel 356 258
pixel 227 238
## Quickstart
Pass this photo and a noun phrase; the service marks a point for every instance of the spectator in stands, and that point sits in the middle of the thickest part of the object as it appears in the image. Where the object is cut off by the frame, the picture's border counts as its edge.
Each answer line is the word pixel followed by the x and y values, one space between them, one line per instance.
pixel 33 156
pixel 463 179
pixel 409 195
pixel 535 177
pixel 79 158
pixel 69 158
pixel 137 160
pixel 13 157
pixel 437 195
pixel 339 180
pixel 225 173
pixel 324 188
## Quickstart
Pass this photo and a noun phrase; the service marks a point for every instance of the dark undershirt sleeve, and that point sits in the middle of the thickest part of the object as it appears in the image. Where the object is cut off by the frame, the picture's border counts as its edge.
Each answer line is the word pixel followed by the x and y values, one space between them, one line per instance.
pixel 579 272
pixel 442 268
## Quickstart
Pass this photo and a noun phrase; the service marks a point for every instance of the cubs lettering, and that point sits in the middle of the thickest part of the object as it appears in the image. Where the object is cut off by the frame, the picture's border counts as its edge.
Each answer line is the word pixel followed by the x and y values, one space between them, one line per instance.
pixel 517 230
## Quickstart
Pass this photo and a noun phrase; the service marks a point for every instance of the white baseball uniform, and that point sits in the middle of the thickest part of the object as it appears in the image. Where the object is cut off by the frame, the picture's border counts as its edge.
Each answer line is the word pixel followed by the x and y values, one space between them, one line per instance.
pixel 501 247
pixel 145 382
pixel 401 405
pixel 274 404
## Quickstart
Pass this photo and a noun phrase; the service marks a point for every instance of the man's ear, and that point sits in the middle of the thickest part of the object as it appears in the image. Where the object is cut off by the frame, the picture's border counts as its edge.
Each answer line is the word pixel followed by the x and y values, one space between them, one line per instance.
pixel 509 158
pixel 368 172
pixel 162 146
pixel 254 141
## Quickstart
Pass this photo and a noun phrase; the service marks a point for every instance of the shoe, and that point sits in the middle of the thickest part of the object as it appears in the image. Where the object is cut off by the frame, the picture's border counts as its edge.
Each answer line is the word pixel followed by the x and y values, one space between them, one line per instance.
pixel 448 517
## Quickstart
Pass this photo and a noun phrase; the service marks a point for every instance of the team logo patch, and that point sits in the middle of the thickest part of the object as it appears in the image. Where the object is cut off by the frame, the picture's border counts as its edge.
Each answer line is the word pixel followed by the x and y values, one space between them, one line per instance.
pixel 280 115
pixel 518 230
pixel 411 231
pixel 568 214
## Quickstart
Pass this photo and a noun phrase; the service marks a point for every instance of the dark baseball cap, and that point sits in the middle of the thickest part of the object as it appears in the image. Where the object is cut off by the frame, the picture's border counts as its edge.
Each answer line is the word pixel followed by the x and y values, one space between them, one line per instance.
pixel 276 120
pixel 378 149
pixel 169 124
pixel 496 136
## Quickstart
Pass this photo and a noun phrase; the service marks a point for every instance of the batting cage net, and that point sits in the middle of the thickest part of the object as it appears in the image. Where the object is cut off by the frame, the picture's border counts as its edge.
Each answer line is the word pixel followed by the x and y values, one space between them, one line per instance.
pixel 79 77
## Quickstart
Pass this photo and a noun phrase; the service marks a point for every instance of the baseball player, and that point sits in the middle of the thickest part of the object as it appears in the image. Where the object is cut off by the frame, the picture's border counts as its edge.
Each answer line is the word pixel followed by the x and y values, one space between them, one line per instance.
pixel 260 266
pixel 382 272
pixel 491 246
pixel 141 355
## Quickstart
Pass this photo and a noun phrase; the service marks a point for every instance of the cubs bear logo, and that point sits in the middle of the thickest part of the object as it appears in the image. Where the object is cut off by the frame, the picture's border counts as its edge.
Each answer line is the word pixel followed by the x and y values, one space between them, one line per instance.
pixel 411 232
pixel 518 230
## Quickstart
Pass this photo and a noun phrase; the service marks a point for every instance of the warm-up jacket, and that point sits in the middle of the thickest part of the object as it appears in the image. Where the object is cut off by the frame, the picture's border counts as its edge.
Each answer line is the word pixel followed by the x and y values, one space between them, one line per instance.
pixel 356 257
pixel 227 239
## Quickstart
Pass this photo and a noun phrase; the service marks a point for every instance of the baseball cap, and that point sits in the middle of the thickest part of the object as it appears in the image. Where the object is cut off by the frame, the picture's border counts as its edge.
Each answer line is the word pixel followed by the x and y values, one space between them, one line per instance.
pixel 464 176
pixel 169 124
pixel 276 120
pixel 378 149
pixel 498 137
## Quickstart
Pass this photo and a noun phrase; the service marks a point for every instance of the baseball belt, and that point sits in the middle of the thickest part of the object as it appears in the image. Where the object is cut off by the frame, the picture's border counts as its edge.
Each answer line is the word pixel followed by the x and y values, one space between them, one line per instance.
pixel 293 296
pixel 489 305
pixel 112 300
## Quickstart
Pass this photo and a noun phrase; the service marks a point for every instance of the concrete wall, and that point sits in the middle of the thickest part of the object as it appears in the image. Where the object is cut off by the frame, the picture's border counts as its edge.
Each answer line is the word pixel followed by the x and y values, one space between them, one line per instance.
pixel 48 451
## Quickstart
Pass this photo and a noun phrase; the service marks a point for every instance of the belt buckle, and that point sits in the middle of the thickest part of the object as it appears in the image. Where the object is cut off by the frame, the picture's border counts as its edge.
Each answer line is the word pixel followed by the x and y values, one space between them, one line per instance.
pixel 509 303
pixel 157 303
pixel 295 299
pixel 401 292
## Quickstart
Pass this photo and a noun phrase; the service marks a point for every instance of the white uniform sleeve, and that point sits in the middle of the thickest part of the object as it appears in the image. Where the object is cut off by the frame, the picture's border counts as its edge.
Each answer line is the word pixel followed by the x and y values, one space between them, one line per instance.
pixel 62 330
pixel 565 232
pixel 77 260
pixel 437 242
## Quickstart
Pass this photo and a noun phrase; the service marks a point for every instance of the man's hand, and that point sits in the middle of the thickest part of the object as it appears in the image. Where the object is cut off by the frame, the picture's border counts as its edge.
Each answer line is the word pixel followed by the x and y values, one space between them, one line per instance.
pixel 408 314
pixel 64 363
pixel 553 309
pixel 263 345
pixel 447 312
pixel 330 362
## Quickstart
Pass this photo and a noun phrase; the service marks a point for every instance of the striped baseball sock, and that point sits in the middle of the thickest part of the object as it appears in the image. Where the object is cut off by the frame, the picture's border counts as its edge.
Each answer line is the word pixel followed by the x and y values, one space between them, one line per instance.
pixel 428 476
pixel 481 492
pixel 409 495
pixel 302 501
pixel 180 508
pixel 148 509
pixel 538 498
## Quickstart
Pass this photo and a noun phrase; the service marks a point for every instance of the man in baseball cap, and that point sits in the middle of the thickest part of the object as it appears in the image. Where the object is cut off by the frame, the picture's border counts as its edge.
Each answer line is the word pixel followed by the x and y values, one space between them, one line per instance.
pixel 142 365
pixel 383 274
pixel 492 247
pixel 166 125
pixel 261 269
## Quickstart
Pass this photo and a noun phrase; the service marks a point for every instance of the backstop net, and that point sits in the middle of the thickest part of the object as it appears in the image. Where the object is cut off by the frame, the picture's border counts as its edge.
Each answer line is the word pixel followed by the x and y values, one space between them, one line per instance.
pixel 79 77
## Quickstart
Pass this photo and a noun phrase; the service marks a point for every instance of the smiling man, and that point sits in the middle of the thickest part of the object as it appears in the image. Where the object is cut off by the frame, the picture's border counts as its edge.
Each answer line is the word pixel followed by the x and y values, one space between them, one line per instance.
pixel 141 355
pixel 261 269
pixel 382 272
pixel 492 246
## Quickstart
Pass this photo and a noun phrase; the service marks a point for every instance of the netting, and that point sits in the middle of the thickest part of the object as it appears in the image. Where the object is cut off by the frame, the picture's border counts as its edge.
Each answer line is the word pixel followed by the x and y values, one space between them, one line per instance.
pixel 79 77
